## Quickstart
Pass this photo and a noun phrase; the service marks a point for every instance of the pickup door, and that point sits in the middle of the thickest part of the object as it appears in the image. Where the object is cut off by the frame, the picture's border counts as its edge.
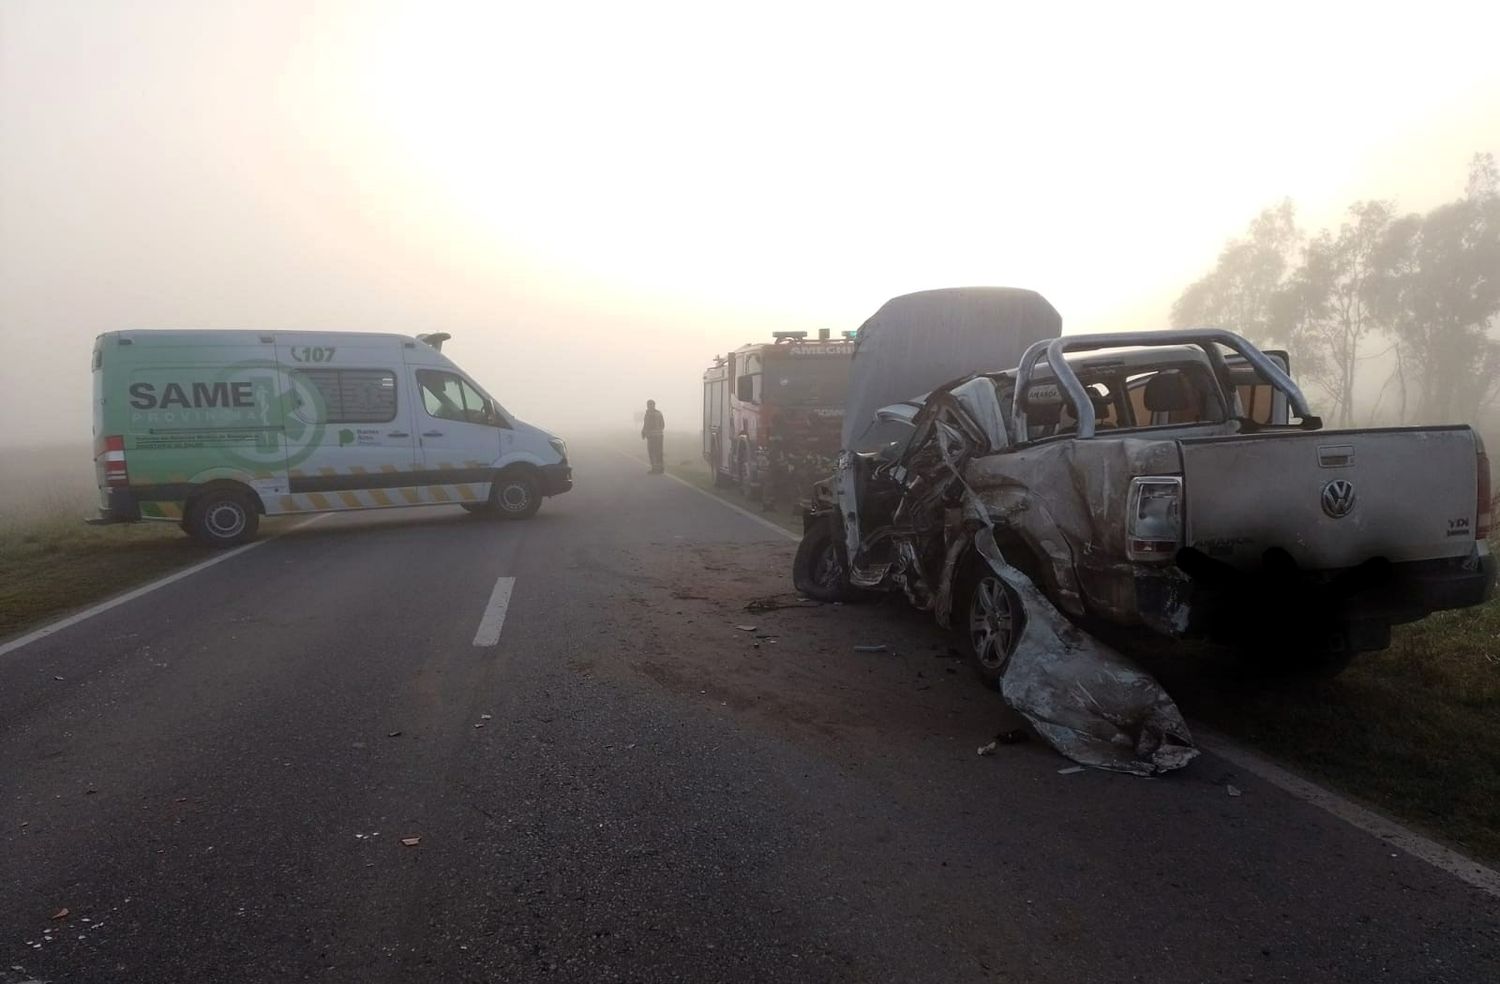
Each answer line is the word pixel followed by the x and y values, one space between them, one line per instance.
pixel 1332 499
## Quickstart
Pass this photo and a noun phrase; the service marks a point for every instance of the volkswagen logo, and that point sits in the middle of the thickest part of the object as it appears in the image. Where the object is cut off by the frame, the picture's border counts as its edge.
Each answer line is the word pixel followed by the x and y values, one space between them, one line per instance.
pixel 1338 498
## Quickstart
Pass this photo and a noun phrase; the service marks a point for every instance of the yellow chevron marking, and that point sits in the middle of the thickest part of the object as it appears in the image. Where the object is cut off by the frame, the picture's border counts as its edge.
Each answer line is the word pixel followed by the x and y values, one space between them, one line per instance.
pixel 296 473
pixel 380 497
pixel 466 492
pixel 172 510
pixel 412 496
pixel 289 504
pixel 318 501
pixel 351 500
pixel 328 471
pixel 389 469
pixel 440 493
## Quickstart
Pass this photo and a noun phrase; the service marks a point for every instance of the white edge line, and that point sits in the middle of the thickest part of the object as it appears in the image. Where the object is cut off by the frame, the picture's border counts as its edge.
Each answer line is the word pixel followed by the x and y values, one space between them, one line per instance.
pixel 493 619
pixel 1446 859
pixel 719 499
pixel 144 589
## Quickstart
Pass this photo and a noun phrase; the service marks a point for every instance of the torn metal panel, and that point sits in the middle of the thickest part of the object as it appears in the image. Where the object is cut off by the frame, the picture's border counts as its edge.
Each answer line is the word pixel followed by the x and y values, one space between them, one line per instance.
pixel 1086 700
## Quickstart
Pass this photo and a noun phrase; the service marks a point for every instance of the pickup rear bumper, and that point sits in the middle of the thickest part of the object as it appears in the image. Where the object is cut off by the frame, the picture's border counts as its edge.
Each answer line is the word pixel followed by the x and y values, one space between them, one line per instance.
pixel 1439 585
pixel 1360 603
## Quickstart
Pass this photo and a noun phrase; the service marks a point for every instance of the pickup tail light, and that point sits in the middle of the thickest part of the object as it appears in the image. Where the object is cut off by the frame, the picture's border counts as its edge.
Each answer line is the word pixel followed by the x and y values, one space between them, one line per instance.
pixel 1154 524
pixel 1483 517
pixel 114 461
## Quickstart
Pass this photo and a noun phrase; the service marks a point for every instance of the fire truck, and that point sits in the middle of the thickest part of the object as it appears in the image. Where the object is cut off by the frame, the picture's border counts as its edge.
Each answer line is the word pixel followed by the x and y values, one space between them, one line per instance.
pixel 772 413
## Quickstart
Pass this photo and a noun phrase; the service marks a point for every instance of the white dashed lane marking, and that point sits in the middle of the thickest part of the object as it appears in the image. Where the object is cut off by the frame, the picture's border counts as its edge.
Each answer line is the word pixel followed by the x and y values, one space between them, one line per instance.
pixel 494 613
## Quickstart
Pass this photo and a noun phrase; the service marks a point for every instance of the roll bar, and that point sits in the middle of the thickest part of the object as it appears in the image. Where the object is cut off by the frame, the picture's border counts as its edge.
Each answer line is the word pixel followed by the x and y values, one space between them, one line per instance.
pixel 1205 338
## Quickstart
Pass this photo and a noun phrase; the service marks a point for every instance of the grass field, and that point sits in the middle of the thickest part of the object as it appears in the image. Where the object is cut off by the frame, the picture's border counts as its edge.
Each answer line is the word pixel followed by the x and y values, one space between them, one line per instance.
pixel 50 562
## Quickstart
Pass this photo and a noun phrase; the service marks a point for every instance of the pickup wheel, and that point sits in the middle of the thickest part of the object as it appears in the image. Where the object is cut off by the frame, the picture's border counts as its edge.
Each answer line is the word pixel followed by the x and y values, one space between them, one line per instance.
pixel 987 621
pixel 820 570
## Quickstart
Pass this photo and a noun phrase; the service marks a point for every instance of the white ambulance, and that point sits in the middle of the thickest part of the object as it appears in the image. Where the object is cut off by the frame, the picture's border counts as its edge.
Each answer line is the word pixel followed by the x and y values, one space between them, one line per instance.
pixel 213 429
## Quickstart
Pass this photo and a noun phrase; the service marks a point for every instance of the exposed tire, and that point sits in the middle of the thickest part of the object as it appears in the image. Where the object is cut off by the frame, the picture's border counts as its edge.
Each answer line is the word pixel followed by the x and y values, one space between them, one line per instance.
pixel 514 495
pixel 222 518
pixel 820 570
pixel 987 621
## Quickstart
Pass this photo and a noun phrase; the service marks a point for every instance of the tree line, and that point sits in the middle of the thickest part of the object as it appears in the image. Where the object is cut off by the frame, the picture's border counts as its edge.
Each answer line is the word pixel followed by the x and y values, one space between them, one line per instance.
pixel 1413 298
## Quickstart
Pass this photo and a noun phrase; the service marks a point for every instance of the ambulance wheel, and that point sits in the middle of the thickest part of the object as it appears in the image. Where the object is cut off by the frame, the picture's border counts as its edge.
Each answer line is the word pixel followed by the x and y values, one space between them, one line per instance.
pixel 515 496
pixel 221 518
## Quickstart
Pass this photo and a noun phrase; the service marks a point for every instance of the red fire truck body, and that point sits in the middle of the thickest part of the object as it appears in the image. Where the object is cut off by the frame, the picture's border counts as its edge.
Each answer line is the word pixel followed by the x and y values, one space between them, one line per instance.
pixel 774 410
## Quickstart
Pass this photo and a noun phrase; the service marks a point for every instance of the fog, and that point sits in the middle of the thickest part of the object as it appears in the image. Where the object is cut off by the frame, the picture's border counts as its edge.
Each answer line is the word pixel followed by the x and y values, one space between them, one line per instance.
pixel 595 199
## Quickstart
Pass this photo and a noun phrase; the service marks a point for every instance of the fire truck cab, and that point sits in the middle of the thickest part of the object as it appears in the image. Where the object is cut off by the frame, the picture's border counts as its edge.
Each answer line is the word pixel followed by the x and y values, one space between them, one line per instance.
pixel 774 410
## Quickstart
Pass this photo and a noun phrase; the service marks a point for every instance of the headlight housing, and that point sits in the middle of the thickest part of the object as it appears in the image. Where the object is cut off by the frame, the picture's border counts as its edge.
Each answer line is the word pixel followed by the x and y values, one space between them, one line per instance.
pixel 560 446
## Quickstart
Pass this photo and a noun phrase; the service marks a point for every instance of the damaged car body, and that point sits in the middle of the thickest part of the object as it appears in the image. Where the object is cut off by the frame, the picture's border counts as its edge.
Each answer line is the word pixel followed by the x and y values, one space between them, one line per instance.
pixel 1175 481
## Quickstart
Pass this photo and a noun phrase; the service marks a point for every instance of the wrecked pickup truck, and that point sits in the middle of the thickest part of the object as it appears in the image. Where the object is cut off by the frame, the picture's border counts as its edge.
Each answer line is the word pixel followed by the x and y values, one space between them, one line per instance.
pixel 1171 480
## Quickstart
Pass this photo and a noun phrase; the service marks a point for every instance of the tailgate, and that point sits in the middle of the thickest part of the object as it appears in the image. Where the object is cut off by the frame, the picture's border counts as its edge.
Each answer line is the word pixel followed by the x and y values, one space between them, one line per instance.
pixel 1332 499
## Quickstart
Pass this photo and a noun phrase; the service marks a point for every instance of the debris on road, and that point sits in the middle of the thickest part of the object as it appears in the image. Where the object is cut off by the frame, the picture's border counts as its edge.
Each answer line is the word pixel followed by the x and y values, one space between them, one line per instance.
pixel 62 913
pixel 879 648
pixel 1232 789
pixel 410 841
pixel 776 603
pixel 1084 698
pixel 486 717
pixel 745 628
pixel 393 734
pixel 1071 770
pixel 989 749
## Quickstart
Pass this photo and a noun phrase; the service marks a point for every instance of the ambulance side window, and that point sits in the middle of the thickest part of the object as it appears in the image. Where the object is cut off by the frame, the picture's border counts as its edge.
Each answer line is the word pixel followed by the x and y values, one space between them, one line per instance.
pixel 354 396
pixel 448 397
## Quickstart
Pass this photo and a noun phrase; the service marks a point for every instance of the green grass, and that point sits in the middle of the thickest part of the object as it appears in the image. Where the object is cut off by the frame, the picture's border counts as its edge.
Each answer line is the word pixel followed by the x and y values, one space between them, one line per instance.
pixel 50 562
pixel 57 565
pixel 1413 730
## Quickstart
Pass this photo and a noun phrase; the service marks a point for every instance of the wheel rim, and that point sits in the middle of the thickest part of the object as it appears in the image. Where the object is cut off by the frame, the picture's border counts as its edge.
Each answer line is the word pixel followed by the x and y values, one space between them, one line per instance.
pixel 828 572
pixel 992 623
pixel 515 497
pixel 225 520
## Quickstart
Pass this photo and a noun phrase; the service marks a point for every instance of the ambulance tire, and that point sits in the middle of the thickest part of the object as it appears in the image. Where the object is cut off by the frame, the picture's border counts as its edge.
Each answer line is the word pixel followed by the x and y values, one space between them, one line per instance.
pixel 222 517
pixel 514 495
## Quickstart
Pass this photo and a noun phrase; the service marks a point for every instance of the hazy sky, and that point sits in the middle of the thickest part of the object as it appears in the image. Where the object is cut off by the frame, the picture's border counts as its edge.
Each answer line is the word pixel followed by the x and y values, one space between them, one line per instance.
pixel 594 199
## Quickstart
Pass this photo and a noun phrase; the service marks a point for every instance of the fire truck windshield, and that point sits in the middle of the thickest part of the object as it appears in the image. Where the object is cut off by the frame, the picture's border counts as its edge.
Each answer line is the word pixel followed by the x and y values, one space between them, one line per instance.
pixel 806 381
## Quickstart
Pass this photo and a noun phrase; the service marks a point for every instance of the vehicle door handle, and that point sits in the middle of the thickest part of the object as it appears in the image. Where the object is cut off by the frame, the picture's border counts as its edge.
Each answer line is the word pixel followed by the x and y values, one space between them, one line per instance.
pixel 432 433
pixel 398 434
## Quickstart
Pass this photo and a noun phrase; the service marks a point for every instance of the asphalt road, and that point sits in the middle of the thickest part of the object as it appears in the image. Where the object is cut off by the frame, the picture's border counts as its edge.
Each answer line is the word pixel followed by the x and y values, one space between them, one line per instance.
pixel 215 780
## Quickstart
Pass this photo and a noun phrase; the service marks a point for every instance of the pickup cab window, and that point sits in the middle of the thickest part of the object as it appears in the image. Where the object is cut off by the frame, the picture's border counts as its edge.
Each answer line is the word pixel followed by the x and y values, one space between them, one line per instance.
pixel 1176 396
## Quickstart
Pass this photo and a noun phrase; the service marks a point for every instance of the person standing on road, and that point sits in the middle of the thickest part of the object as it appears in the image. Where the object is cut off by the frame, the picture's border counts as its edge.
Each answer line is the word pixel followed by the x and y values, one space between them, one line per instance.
pixel 652 431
